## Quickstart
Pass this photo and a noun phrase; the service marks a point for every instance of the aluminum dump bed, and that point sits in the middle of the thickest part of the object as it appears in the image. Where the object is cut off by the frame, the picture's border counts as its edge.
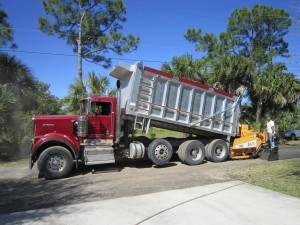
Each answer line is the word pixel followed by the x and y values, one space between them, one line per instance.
pixel 150 96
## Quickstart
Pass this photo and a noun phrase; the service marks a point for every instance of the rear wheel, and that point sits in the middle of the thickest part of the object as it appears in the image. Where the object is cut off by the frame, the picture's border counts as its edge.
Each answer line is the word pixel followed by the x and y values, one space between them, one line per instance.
pixel 206 152
pixel 192 152
pixel 180 151
pixel 55 162
pixel 160 151
pixel 217 151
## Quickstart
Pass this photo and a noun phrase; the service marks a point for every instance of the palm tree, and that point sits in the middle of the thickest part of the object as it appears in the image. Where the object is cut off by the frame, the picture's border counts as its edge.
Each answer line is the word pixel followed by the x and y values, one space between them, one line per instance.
pixel 7 102
pixel 97 84
pixel 186 66
pixel 273 89
pixel 17 86
pixel 18 79
pixel 290 88
pixel 231 72
pixel 78 91
pixel 112 92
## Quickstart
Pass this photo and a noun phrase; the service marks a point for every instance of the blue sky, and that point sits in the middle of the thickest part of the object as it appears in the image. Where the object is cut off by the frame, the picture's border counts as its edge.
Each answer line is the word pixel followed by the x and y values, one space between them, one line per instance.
pixel 160 24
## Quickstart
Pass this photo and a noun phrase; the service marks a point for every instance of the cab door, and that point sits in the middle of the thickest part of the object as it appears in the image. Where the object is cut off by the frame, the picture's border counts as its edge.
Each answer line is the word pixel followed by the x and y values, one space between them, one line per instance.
pixel 101 124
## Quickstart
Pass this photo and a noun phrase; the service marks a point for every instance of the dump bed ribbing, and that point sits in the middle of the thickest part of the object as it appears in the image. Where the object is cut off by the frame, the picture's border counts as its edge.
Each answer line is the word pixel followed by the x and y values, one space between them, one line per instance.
pixel 150 96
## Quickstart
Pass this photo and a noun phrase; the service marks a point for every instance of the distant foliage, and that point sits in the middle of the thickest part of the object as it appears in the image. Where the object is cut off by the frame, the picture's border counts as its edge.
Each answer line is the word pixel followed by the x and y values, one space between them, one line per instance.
pixel 21 96
pixel 97 84
pixel 7 105
pixel 186 66
pixel 6 31
pixel 16 82
pixel 232 72
pixel 71 103
pixel 243 56
pixel 92 27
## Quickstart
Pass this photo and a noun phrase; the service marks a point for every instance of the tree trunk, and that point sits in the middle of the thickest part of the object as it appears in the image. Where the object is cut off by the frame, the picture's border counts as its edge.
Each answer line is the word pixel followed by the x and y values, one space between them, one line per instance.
pixel 259 111
pixel 79 61
pixel 231 88
pixel 79 51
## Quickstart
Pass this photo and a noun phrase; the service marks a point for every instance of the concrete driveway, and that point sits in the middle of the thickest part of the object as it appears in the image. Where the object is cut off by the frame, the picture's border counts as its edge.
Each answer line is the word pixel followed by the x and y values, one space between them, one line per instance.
pixel 225 203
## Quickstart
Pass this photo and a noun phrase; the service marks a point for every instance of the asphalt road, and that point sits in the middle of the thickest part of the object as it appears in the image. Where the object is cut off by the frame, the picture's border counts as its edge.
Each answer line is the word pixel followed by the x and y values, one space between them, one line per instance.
pixel 20 188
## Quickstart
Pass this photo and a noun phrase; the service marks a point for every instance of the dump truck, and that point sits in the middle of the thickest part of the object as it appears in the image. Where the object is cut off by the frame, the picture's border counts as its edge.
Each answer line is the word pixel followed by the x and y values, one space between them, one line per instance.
pixel 146 97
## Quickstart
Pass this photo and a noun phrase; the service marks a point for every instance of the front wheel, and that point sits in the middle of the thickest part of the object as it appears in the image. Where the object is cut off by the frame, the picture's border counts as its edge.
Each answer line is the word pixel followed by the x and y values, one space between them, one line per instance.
pixel 55 162
pixel 160 151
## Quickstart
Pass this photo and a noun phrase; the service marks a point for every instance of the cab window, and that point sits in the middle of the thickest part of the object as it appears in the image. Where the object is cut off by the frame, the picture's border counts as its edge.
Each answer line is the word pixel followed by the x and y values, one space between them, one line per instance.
pixel 101 108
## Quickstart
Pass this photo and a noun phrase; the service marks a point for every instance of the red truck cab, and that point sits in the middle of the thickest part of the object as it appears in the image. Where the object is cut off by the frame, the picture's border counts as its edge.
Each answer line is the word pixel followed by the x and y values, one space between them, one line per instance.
pixel 59 140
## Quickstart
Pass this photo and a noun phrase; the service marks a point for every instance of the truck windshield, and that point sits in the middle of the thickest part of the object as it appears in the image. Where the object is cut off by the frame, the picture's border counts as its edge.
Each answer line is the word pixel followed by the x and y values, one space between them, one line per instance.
pixel 84 107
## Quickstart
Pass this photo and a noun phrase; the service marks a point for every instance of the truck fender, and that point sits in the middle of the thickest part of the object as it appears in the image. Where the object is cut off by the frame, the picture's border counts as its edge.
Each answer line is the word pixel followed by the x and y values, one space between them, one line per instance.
pixel 55 139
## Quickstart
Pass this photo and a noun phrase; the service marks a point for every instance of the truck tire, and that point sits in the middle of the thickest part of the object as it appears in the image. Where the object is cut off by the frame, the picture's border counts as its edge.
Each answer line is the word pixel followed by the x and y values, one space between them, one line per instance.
pixel 55 162
pixel 160 151
pixel 206 152
pixel 217 150
pixel 192 152
pixel 293 137
pixel 180 152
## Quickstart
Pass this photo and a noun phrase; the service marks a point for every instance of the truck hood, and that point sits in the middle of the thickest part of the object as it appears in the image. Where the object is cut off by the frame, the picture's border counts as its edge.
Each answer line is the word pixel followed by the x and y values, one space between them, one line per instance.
pixel 44 125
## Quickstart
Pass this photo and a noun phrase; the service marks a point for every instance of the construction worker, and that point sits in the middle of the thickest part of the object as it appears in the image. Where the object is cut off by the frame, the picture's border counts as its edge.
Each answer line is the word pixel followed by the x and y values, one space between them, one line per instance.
pixel 271 132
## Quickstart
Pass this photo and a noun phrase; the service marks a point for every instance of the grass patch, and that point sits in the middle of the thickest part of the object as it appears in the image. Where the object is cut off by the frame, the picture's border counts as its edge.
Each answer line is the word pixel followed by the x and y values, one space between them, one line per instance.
pixel 160 133
pixel 13 162
pixel 280 176
pixel 11 159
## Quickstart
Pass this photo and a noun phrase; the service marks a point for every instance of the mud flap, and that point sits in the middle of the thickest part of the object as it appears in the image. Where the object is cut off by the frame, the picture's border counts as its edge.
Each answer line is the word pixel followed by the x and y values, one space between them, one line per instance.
pixel 30 162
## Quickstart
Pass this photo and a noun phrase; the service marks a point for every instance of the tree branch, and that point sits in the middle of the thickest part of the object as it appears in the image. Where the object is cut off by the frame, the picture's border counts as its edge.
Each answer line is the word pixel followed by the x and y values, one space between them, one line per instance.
pixel 93 51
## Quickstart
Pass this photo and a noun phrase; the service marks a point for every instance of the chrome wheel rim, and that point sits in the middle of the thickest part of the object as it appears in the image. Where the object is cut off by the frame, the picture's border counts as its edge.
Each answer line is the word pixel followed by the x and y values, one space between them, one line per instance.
pixel 195 153
pixel 161 152
pixel 220 151
pixel 56 163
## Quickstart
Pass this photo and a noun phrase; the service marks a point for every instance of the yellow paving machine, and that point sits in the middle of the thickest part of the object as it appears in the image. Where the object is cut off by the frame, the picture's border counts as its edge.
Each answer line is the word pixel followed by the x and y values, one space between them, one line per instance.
pixel 249 143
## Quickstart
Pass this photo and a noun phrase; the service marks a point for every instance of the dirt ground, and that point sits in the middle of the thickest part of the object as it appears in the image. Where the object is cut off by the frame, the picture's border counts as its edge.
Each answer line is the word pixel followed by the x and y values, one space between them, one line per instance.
pixel 20 188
